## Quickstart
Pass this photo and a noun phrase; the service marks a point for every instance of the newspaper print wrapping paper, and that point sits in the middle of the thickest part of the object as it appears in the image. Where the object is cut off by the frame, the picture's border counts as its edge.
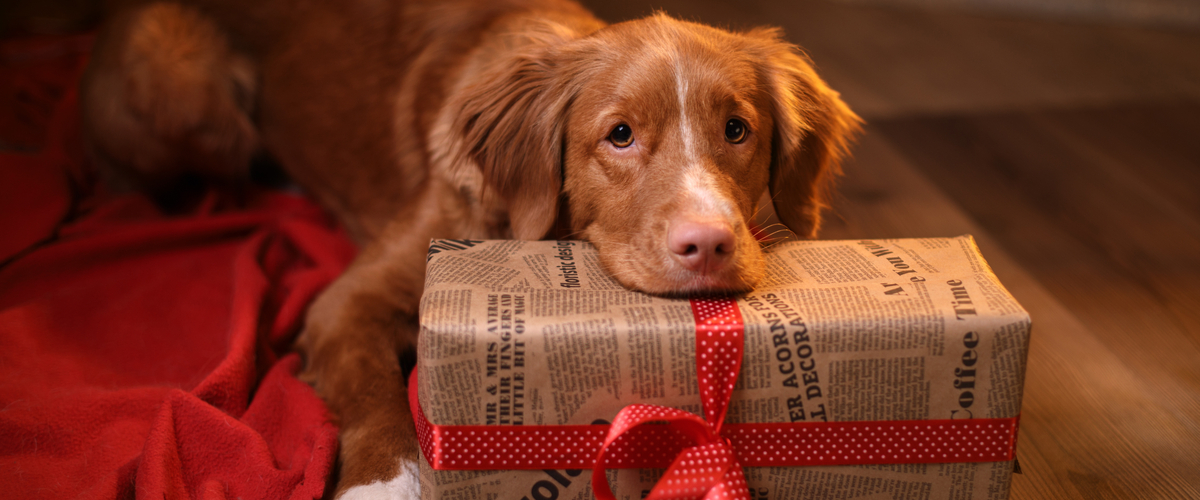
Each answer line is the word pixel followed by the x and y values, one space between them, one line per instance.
pixel 537 333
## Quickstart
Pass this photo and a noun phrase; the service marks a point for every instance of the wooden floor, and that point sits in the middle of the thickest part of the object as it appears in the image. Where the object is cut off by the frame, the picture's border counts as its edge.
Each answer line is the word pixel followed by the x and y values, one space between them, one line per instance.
pixel 1072 152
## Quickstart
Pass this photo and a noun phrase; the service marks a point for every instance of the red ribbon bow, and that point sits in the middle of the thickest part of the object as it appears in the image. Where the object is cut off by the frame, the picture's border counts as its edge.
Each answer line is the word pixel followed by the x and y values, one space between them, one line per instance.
pixel 708 470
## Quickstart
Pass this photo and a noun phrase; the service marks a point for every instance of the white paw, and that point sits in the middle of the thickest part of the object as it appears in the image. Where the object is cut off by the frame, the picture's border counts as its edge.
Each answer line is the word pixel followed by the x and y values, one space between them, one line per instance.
pixel 405 486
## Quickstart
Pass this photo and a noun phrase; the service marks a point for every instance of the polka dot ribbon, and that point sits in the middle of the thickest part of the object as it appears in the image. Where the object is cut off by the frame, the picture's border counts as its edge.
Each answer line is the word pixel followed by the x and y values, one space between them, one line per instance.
pixel 708 468
pixel 720 337
pixel 702 455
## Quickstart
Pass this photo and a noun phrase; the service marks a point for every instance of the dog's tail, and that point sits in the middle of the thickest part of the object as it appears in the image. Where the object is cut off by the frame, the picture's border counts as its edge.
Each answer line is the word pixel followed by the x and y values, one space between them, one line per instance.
pixel 166 98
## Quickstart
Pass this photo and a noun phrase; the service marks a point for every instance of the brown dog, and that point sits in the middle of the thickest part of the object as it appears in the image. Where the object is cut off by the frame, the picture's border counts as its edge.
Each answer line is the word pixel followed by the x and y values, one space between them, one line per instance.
pixel 653 139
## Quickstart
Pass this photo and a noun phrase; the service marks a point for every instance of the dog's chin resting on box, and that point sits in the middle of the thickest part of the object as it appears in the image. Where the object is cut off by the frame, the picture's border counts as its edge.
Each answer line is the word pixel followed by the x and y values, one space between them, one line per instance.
pixel 653 138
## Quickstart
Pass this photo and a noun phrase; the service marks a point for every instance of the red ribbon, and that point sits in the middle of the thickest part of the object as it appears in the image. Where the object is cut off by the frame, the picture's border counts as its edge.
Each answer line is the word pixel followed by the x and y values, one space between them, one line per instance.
pixel 703 456
pixel 708 469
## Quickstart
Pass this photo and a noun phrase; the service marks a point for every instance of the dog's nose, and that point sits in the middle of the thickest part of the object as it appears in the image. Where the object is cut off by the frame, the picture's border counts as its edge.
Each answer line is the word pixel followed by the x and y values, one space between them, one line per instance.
pixel 702 246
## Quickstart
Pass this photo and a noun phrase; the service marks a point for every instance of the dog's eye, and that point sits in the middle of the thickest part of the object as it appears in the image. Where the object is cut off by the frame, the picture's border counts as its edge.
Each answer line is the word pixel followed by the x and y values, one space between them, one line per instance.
pixel 735 131
pixel 622 136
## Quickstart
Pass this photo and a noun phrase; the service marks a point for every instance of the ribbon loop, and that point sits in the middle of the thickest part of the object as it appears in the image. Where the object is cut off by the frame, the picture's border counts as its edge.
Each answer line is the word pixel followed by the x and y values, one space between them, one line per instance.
pixel 689 426
pixel 708 470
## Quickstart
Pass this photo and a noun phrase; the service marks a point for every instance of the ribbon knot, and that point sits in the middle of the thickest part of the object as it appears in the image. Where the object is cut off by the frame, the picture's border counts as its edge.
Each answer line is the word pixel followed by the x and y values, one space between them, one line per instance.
pixel 707 470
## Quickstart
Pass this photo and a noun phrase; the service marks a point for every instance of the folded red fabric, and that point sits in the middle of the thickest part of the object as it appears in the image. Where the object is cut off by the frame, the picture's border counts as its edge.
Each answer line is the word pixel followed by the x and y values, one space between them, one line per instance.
pixel 147 356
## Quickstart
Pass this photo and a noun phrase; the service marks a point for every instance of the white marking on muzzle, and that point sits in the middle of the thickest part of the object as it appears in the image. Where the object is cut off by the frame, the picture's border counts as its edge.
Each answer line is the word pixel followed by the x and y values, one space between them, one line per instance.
pixel 703 195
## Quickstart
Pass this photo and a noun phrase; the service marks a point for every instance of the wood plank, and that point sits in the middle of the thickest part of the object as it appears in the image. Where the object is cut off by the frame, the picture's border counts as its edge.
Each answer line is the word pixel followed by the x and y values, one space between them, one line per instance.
pixel 1156 143
pixel 1091 426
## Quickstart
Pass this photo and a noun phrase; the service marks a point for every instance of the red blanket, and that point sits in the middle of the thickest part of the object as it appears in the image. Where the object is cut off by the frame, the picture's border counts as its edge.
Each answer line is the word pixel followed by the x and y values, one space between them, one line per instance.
pixel 145 355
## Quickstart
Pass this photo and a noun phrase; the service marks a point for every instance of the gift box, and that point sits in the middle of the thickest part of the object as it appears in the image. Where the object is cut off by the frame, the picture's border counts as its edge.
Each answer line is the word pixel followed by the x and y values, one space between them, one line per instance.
pixel 865 369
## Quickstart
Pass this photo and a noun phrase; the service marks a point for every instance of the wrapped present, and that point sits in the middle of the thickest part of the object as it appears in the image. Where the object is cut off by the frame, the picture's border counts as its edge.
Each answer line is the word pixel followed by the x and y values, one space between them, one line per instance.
pixel 857 369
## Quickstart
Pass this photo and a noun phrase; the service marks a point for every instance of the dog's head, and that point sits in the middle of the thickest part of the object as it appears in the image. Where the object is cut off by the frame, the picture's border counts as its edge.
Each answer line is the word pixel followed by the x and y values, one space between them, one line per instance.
pixel 660 136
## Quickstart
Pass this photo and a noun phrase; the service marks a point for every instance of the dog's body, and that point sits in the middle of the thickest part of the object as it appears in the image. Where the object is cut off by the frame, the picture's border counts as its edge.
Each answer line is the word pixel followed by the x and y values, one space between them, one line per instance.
pixel 469 119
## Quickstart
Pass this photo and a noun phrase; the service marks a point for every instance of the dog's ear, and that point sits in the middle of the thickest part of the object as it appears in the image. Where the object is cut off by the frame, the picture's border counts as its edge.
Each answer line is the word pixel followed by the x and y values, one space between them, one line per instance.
pixel 813 132
pixel 513 125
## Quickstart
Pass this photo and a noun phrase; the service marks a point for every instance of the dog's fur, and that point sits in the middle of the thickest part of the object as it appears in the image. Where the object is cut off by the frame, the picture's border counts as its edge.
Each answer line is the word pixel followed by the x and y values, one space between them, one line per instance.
pixel 412 120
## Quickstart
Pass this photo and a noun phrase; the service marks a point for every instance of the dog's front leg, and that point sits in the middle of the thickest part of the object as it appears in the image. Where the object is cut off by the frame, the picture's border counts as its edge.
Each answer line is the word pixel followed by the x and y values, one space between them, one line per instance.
pixel 352 346
pixel 356 333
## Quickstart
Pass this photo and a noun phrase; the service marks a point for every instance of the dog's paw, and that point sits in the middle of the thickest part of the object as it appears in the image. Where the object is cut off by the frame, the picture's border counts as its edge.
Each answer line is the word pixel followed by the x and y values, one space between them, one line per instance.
pixel 405 486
